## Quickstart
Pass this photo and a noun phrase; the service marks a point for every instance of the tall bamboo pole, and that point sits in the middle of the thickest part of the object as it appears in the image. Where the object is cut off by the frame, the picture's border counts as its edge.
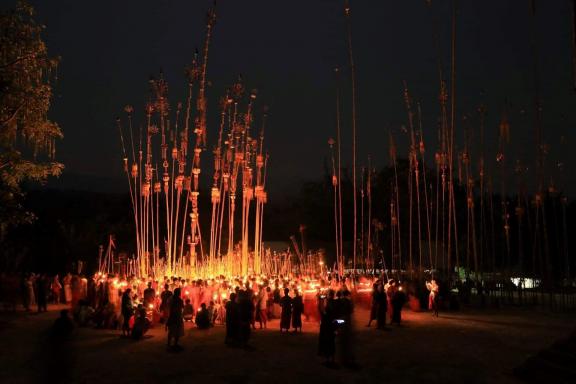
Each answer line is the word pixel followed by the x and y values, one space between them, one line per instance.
pixel 395 209
pixel 421 149
pixel 259 194
pixel 335 183
pixel 362 195
pixel 340 256
pixel 451 198
pixel 354 133
pixel 413 166
pixel 481 174
pixel 369 195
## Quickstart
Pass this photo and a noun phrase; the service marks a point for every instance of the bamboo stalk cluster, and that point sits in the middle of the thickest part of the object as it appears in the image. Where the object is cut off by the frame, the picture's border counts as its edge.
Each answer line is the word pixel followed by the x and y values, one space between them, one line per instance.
pixel 453 226
pixel 163 167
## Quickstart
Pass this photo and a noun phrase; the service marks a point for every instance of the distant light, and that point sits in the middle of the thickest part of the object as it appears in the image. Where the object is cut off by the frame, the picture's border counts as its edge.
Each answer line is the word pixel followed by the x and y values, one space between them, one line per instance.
pixel 526 282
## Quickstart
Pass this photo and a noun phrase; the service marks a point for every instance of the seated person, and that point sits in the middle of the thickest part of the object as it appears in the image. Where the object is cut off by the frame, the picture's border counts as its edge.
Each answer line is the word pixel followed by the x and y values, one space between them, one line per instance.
pixel 105 315
pixel 203 317
pixel 188 312
pixel 211 312
pixel 62 327
pixel 141 323
pixel 83 313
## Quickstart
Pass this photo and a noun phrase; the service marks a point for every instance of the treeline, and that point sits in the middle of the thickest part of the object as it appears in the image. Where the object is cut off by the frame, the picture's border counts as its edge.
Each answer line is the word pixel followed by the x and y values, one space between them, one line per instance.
pixel 519 233
pixel 71 225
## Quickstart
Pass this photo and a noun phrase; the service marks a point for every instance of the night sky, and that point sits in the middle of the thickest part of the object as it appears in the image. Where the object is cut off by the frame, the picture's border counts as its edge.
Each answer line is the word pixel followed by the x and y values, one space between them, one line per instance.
pixel 288 50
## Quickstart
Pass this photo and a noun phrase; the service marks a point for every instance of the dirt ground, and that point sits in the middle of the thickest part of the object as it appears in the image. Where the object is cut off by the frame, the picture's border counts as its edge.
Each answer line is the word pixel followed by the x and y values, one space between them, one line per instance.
pixel 470 346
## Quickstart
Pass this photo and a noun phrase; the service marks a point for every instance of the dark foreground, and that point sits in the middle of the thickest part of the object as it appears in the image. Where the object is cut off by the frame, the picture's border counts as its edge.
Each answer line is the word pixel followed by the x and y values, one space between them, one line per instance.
pixel 458 347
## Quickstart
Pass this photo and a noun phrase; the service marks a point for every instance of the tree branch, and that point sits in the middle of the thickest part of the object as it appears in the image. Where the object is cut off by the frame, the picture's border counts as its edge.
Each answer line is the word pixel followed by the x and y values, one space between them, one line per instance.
pixel 18 59
pixel 13 114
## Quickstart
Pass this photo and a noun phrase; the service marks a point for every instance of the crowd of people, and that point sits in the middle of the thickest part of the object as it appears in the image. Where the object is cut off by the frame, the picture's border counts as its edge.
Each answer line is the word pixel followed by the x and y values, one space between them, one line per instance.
pixel 386 295
pixel 242 305
pixel 35 291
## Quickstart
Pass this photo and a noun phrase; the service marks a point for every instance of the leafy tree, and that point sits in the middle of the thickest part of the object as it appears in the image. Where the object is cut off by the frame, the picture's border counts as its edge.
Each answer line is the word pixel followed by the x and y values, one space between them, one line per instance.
pixel 27 136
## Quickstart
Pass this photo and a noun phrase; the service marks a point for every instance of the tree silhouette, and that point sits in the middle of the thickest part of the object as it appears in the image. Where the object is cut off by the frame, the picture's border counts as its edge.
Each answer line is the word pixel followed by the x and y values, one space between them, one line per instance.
pixel 27 136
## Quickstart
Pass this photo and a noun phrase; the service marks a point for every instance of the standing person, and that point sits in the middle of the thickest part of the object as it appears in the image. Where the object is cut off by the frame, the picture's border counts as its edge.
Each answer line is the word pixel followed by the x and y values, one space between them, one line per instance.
pixel 207 293
pixel 398 301
pixel 276 297
pixel 195 293
pixel 297 308
pixel 41 293
pixel 248 296
pixel 220 312
pixel 91 296
pixel 30 285
pixel 25 292
pixel 382 303
pixel 262 305
pixel 57 352
pixel 165 298
pixel 320 303
pixel 433 296
pixel 67 288
pixel 255 309
pixel 127 310
pixel 327 334
pixel 56 288
pixel 149 296
pixel 375 304
pixel 346 330
pixel 175 322
pixel 286 315
pixel 269 303
pixel 245 311
pixel 76 289
pixel 232 322
pixel 389 290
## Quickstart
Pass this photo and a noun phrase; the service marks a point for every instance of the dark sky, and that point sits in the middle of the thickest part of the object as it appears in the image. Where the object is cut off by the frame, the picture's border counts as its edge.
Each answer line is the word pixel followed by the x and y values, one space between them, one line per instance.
pixel 287 50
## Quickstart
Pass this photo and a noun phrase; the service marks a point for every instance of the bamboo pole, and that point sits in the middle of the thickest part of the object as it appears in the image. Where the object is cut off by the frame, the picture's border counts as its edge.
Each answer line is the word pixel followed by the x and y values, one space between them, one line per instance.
pixel 421 149
pixel 482 111
pixel 354 133
pixel 369 195
pixel 413 161
pixel 340 256
pixel 395 209
pixel 451 199
pixel 363 170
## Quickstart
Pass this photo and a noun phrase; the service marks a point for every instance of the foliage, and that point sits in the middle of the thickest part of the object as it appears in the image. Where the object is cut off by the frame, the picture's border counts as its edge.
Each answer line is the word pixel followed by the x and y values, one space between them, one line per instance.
pixel 69 228
pixel 27 136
